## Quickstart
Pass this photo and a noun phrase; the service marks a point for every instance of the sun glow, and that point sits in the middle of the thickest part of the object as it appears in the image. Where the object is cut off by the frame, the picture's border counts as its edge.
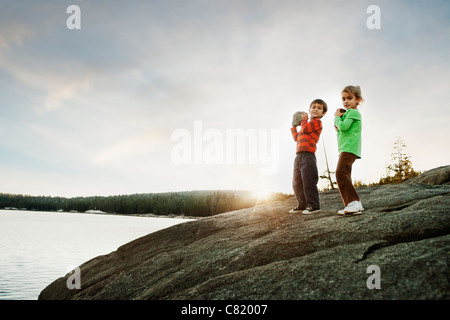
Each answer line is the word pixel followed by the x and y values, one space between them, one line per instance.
pixel 262 194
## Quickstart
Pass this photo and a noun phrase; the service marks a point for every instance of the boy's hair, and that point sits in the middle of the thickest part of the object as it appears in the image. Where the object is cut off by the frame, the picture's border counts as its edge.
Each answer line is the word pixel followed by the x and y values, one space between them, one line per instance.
pixel 321 102
pixel 354 90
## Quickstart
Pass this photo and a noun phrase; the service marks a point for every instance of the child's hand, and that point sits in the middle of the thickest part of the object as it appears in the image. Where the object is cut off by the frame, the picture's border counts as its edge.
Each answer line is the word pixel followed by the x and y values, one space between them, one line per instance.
pixel 339 112
pixel 305 117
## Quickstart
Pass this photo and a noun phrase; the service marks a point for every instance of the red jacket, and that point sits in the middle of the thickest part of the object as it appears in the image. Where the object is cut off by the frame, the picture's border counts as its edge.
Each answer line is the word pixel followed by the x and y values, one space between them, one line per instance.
pixel 308 136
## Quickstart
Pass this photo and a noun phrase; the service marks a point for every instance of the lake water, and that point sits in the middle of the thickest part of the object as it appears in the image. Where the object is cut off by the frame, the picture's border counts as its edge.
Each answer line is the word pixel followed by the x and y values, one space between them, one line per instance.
pixel 36 247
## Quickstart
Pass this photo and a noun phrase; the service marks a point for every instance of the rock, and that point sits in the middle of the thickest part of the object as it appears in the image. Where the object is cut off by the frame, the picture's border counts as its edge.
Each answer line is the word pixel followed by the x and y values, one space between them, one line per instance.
pixel 266 253
pixel 436 176
pixel 297 118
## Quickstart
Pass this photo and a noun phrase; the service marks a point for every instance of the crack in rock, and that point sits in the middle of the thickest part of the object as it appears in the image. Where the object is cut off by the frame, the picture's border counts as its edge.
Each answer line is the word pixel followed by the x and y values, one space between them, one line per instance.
pixel 398 239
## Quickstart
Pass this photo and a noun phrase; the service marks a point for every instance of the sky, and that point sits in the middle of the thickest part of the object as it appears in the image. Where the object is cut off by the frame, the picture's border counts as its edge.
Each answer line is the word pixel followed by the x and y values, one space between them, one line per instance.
pixel 124 97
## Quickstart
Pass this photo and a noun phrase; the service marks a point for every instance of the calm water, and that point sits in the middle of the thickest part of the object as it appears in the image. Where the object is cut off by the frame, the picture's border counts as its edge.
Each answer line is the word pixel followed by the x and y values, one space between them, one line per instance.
pixel 36 248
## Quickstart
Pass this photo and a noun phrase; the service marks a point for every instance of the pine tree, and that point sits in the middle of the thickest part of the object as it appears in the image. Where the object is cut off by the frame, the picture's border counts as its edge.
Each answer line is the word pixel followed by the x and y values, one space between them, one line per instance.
pixel 400 168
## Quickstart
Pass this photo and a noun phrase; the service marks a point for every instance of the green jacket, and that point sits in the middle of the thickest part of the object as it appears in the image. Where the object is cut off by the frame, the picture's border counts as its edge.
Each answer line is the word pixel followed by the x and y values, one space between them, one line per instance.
pixel 349 132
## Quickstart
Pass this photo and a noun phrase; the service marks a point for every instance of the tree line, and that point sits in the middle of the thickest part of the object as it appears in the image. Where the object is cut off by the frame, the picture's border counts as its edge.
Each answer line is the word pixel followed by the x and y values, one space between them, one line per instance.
pixel 188 203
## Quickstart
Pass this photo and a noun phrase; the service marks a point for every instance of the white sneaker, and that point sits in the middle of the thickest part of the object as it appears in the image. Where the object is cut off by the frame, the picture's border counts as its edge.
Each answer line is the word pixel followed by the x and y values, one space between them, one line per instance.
pixel 354 207
pixel 295 210
pixel 310 210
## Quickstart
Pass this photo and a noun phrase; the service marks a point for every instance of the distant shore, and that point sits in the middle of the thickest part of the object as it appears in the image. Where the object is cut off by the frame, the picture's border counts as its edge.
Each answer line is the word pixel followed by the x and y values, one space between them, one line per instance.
pixel 149 215
pixel 197 203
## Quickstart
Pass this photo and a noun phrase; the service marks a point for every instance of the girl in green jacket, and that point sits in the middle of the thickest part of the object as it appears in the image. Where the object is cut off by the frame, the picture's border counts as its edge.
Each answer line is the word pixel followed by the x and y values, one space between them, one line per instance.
pixel 348 125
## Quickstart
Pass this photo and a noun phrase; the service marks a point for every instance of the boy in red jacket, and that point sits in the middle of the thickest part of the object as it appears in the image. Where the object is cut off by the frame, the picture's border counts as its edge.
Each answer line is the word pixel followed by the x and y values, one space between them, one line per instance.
pixel 306 175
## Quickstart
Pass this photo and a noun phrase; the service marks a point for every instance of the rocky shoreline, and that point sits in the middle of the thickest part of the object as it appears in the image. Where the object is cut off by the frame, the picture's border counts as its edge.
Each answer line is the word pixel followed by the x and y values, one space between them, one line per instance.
pixel 401 242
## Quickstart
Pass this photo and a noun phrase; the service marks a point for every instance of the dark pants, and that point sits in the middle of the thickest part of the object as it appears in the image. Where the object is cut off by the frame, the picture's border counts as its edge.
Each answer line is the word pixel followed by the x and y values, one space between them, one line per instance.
pixel 344 178
pixel 305 180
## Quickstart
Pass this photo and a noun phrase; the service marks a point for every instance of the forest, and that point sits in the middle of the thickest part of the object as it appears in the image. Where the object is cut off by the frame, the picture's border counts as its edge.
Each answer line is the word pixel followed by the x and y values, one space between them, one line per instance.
pixel 187 203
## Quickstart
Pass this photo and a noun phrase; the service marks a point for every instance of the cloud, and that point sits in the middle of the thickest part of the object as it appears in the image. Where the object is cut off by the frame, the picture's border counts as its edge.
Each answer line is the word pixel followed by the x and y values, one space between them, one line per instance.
pixel 143 143
pixel 58 93
pixel 54 87
pixel 13 36
pixel 105 99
